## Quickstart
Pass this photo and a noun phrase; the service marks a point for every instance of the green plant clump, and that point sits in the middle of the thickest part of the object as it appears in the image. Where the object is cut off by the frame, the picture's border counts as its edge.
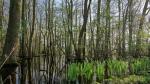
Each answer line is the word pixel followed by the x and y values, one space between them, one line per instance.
pixel 73 71
pixel 117 67
pixel 100 71
pixel 140 65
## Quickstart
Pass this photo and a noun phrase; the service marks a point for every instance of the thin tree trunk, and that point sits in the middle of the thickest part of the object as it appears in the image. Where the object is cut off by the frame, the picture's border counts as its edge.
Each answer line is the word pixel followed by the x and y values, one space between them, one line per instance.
pixel 130 27
pixel 98 30
pixel 30 45
pixel 1 23
pixel 119 28
pixel 123 53
pixel 23 55
pixel 107 39
pixel 83 29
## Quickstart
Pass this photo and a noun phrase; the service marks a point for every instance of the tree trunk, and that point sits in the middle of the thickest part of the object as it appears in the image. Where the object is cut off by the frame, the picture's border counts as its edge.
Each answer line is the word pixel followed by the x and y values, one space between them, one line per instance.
pixel 130 50
pixel 30 45
pixel 11 43
pixel 1 22
pixel 98 30
pixel 140 30
pixel 119 28
pixel 107 39
pixel 1 26
pixel 23 51
pixel 123 53
pixel 82 32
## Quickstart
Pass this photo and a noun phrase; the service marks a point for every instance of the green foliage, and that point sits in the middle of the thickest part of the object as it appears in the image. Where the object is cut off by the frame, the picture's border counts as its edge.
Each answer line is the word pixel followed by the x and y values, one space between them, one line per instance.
pixel 87 70
pixel 76 69
pixel 73 71
pixel 100 70
pixel 117 68
pixel 139 65
pixel 147 79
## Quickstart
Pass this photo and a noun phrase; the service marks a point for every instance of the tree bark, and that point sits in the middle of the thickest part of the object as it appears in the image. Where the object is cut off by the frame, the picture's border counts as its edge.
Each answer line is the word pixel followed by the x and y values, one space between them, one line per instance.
pixel 11 43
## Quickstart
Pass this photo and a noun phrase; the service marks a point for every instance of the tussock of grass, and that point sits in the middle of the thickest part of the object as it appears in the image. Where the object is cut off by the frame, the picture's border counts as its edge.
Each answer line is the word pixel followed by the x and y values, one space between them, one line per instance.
pixel 118 70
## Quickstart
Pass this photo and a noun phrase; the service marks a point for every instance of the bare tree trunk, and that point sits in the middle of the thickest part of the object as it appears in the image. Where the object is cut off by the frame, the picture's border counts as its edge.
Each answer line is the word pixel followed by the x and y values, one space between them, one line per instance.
pixel 119 29
pixel 140 30
pixel 23 51
pixel 107 39
pixel 130 42
pixel 130 27
pixel 98 30
pixel 1 23
pixel 11 43
pixel 82 33
pixel 123 53
pixel 30 45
